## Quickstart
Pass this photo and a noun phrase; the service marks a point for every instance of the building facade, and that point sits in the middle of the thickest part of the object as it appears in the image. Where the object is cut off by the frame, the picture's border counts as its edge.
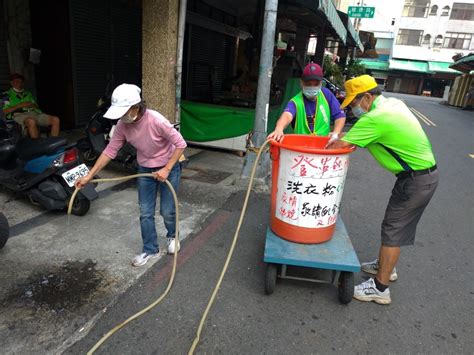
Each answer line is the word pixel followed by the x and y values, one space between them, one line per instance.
pixel 426 35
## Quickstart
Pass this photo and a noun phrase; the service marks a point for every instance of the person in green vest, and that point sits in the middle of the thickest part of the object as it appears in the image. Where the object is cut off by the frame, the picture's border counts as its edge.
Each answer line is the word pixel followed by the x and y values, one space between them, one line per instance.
pixel 312 110
pixel 20 106
pixel 395 138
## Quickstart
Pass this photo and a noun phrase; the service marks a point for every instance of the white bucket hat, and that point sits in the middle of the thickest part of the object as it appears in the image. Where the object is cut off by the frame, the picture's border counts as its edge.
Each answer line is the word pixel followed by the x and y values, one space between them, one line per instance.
pixel 123 97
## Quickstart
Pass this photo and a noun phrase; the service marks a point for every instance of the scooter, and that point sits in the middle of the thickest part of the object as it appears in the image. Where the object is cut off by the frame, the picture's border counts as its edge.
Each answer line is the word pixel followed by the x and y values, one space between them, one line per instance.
pixel 99 131
pixel 45 170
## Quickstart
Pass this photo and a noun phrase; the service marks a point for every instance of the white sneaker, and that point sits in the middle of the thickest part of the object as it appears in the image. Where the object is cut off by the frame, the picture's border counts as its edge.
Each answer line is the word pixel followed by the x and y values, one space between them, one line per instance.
pixel 373 266
pixel 143 258
pixel 367 292
pixel 172 245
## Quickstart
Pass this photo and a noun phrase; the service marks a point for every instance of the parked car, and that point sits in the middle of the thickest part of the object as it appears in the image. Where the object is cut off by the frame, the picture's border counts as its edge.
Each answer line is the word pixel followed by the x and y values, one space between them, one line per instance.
pixel 336 90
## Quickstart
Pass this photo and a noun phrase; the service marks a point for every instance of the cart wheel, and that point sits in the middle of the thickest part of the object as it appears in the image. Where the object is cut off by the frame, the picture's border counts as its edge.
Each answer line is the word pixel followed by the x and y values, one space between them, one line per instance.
pixel 346 287
pixel 270 278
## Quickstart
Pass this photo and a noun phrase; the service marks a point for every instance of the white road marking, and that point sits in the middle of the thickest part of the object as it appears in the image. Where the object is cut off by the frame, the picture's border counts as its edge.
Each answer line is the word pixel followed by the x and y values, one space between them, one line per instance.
pixel 419 116
pixel 426 118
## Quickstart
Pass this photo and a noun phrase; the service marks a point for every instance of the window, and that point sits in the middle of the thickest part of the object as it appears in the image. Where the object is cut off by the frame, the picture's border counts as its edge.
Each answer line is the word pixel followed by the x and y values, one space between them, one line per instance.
pixel 427 39
pixel 462 11
pixel 457 40
pixel 445 11
pixel 416 8
pixel 434 10
pixel 438 41
pixel 409 37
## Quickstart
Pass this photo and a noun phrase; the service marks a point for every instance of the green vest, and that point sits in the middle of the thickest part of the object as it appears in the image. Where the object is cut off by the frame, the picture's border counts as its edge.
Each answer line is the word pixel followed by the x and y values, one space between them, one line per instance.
pixel 321 116
pixel 13 98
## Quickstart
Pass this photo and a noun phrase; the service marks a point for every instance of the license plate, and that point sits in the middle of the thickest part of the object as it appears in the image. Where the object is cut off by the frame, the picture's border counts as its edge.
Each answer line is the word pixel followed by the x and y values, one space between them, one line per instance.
pixel 72 175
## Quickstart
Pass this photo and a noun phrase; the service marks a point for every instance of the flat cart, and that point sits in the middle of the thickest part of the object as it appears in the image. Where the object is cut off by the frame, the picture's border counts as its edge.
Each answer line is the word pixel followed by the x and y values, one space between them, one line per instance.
pixel 337 256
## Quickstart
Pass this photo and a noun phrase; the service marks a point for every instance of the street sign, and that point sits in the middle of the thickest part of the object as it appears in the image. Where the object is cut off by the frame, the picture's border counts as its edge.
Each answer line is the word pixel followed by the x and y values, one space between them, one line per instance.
pixel 361 11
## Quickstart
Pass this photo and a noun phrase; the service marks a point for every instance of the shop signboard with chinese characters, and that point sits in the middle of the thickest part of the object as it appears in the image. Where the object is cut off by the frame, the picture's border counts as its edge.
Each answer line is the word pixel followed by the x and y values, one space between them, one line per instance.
pixel 310 188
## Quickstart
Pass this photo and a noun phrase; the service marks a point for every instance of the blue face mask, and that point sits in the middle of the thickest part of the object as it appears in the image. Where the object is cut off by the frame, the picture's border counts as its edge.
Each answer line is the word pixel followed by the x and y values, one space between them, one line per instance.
pixel 357 111
pixel 311 91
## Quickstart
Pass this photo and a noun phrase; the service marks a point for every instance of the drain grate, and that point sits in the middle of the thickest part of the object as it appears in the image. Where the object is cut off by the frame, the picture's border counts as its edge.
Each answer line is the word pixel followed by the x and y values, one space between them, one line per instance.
pixel 207 176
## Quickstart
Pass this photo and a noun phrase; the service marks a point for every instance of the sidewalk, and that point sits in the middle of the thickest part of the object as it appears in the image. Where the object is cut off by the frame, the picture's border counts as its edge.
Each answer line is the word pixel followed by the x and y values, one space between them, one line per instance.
pixel 59 274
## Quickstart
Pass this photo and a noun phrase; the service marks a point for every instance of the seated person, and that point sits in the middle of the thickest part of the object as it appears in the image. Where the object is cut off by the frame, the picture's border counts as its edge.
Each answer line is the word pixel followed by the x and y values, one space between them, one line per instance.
pixel 20 105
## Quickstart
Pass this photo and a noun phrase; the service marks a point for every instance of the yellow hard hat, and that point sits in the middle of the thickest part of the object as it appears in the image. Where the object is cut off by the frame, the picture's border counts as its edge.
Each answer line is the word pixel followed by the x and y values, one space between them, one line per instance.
pixel 357 86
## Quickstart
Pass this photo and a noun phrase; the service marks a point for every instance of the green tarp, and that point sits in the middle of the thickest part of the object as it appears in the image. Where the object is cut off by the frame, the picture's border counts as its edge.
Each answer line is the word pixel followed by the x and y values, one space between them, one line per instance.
pixel 205 122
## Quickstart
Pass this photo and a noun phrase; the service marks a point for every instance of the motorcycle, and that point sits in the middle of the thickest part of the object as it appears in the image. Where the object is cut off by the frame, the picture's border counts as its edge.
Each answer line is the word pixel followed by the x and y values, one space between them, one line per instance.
pixel 99 131
pixel 45 170
pixel 4 230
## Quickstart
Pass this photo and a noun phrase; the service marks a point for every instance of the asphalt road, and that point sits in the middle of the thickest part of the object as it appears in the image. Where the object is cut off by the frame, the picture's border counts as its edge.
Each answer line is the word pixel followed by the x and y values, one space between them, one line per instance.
pixel 432 301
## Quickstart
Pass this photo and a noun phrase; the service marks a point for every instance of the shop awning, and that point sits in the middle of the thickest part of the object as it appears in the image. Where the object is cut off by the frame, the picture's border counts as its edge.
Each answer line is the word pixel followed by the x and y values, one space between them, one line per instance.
pixel 329 10
pixel 441 67
pixel 429 67
pixel 326 15
pixel 464 64
pixel 353 36
pixel 408 65
pixel 379 65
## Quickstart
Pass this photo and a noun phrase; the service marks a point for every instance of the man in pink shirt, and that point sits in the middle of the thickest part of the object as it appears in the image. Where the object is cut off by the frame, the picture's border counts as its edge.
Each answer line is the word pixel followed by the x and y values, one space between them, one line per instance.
pixel 159 146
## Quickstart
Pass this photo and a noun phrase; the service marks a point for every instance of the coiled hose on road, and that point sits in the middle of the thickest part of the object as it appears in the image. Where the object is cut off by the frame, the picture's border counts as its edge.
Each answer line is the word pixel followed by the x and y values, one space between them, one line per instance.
pixel 175 258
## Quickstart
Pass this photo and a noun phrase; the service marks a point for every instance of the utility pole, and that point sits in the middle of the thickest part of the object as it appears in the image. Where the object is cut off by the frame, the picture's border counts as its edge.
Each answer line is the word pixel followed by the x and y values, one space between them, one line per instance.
pixel 263 92
pixel 357 26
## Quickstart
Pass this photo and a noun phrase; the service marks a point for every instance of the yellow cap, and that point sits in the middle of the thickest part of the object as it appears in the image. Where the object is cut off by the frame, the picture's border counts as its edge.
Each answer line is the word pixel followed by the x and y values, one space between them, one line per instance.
pixel 357 86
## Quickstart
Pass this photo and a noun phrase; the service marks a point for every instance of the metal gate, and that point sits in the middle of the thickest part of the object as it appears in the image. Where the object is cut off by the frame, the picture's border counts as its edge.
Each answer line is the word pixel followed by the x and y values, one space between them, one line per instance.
pixel 106 49
pixel 207 60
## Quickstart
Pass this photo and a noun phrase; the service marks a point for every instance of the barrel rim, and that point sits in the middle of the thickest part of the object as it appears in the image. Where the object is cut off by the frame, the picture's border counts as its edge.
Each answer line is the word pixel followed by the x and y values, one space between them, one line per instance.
pixel 311 150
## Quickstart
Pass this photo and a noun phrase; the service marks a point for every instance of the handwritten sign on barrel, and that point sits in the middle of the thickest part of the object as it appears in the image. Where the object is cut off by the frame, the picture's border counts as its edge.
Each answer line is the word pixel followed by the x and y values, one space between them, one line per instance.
pixel 310 188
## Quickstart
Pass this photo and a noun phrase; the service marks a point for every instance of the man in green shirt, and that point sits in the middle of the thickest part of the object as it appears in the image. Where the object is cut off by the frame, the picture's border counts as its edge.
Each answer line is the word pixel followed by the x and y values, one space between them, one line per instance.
pixel 20 106
pixel 396 140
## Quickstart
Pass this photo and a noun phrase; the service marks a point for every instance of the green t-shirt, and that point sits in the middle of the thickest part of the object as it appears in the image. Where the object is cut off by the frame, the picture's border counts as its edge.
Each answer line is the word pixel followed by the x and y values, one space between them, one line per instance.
pixel 13 98
pixel 393 135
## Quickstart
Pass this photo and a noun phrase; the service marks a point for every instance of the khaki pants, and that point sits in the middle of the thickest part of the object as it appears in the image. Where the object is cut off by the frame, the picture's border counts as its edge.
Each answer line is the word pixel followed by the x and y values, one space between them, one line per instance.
pixel 410 196
pixel 42 119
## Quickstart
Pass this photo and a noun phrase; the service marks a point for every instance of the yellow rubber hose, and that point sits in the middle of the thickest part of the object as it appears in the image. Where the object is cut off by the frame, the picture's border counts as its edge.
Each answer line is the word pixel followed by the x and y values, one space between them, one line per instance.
pixel 175 259
pixel 229 256
pixel 173 272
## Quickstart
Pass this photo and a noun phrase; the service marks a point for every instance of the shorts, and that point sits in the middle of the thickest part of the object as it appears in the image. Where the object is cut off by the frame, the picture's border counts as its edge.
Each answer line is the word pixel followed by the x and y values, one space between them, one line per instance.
pixel 410 196
pixel 42 119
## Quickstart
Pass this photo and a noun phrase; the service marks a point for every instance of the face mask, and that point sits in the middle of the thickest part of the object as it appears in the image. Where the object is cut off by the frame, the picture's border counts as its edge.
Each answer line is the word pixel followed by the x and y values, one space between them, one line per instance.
pixel 311 91
pixel 357 111
pixel 18 90
pixel 128 119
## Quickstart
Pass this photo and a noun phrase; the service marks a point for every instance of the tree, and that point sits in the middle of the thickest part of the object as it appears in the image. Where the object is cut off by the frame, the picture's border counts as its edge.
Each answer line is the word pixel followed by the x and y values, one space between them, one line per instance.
pixel 355 68
pixel 333 72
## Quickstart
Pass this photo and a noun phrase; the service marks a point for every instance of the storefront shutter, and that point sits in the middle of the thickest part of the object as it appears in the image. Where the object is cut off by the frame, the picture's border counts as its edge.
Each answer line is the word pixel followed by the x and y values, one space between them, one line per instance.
pixel 207 59
pixel 106 48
